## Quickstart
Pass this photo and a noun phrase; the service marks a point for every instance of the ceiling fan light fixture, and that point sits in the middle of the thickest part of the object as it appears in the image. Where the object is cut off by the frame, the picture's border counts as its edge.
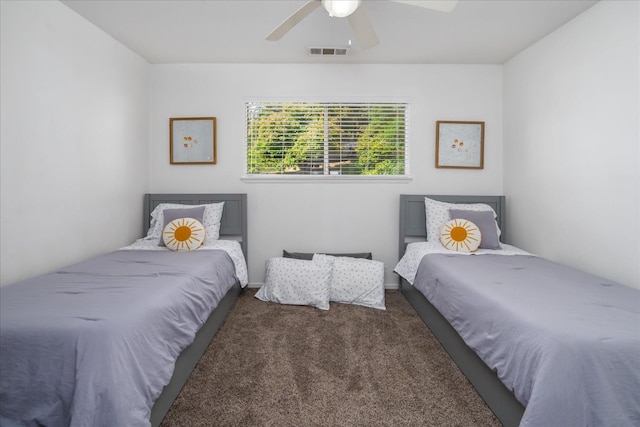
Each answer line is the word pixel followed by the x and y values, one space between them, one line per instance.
pixel 340 8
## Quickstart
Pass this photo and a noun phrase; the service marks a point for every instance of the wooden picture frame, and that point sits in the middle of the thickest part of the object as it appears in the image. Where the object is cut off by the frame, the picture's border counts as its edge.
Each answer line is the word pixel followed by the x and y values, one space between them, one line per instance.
pixel 459 145
pixel 192 141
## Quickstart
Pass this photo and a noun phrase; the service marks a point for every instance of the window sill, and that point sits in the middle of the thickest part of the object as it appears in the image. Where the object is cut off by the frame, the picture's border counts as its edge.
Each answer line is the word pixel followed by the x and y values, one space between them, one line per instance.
pixel 326 178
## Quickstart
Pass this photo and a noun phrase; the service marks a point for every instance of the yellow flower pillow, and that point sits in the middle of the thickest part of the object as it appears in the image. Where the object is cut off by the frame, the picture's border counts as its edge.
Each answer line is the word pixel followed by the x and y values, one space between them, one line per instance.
pixel 460 235
pixel 183 234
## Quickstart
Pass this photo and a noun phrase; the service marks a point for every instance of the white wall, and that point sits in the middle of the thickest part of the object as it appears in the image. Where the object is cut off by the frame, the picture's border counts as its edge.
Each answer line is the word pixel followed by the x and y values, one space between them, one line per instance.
pixel 340 217
pixel 76 120
pixel 74 139
pixel 571 138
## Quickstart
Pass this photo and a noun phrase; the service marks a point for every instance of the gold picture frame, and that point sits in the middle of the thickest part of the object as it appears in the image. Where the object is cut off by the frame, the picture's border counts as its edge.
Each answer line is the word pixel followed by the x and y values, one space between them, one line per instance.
pixel 192 141
pixel 459 145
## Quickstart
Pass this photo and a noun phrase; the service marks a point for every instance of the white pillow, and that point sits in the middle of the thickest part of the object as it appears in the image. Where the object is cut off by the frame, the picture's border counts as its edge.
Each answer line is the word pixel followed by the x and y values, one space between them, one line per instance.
pixel 211 220
pixel 460 235
pixel 183 234
pixel 297 282
pixel 356 281
pixel 437 214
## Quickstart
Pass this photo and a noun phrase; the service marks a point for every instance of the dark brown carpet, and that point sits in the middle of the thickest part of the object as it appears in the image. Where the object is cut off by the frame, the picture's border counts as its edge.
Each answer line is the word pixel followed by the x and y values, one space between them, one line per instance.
pixel 278 365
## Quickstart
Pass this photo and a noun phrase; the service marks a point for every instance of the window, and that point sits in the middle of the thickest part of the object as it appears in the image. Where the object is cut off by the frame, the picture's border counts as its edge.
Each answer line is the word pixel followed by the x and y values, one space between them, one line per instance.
pixel 320 138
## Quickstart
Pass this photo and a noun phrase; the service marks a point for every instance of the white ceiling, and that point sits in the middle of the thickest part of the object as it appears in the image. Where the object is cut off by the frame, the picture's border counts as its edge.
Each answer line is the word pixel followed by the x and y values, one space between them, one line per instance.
pixel 217 31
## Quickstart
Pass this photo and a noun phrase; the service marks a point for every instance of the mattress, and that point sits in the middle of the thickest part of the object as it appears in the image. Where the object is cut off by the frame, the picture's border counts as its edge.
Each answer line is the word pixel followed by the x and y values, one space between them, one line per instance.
pixel 566 343
pixel 94 344
pixel 232 247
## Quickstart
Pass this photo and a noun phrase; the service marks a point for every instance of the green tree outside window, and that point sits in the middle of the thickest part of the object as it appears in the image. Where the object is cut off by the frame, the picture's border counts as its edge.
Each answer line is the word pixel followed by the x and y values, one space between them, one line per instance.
pixel 301 138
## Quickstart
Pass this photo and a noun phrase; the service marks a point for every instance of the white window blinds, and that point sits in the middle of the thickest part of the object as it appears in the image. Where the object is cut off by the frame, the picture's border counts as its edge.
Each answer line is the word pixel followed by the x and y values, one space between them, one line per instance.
pixel 320 138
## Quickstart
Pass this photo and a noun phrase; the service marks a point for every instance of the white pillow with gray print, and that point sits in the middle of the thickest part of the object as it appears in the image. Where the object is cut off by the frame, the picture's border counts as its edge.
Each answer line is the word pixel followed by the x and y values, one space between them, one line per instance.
pixel 356 281
pixel 296 282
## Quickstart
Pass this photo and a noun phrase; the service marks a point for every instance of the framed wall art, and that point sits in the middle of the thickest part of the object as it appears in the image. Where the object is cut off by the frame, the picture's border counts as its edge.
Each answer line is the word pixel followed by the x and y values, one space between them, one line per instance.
pixel 192 141
pixel 460 145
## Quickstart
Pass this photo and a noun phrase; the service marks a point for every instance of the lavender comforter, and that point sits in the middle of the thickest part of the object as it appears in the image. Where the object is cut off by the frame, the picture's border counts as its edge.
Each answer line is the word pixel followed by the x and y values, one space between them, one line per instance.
pixel 565 342
pixel 95 343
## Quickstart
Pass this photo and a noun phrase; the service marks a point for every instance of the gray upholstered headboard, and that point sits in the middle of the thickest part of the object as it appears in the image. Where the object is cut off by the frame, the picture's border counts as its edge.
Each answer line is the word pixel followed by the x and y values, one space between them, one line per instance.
pixel 413 220
pixel 234 214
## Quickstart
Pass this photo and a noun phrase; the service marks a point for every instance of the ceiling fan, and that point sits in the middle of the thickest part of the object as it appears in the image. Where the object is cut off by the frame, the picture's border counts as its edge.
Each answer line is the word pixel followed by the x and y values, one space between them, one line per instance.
pixel 352 10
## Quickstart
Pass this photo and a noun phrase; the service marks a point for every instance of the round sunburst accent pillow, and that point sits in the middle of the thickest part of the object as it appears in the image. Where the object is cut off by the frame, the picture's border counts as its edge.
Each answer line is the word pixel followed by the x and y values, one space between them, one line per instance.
pixel 183 234
pixel 460 235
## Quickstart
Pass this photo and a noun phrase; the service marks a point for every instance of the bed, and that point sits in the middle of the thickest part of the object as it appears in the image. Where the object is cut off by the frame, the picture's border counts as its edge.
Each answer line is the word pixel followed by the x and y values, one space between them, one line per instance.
pixel 572 359
pixel 74 360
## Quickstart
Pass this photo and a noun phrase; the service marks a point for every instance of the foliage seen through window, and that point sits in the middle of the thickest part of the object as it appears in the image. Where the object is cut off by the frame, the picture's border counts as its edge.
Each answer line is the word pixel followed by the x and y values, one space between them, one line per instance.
pixel 302 138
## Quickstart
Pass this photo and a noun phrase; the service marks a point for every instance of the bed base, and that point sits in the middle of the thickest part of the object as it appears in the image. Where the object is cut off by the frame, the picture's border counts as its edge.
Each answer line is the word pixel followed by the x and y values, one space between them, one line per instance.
pixel 413 228
pixel 496 395
pixel 233 226
pixel 190 356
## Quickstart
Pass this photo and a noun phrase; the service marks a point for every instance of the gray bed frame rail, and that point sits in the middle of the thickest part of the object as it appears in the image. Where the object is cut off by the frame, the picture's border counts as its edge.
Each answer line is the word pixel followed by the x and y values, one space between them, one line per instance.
pixel 413 228
pixel 233 227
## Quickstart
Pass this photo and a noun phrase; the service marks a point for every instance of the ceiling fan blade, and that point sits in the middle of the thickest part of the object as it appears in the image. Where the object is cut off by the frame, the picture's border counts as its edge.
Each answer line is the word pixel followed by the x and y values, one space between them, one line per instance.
pixel 439 5
pixel 293 20
pixel 362 27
